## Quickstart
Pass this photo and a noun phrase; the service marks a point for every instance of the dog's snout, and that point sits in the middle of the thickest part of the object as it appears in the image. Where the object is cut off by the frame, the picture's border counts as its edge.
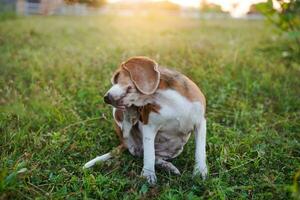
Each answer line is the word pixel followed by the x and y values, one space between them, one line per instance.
pixel 108 98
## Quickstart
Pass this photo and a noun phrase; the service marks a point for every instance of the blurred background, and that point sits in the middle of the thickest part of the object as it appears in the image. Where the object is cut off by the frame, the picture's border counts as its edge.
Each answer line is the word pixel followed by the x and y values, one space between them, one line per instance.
pixel 56 60
pixel 187 8
pixel 283 14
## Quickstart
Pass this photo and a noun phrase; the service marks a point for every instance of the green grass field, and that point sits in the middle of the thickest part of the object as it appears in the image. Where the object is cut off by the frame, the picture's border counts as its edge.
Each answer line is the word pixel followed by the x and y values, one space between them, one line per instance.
pixel 55 70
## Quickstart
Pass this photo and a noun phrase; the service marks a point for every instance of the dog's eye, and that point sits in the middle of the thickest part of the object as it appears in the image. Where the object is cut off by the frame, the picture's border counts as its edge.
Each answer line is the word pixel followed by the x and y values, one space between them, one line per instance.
pixel 129 88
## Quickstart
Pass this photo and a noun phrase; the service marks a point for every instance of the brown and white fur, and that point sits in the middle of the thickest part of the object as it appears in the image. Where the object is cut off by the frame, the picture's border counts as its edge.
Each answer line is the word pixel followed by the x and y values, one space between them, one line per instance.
pixel 155 111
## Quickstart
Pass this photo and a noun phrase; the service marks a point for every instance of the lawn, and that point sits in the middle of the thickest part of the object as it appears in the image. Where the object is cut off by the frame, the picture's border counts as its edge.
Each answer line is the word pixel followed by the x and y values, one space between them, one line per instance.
pixel 55 70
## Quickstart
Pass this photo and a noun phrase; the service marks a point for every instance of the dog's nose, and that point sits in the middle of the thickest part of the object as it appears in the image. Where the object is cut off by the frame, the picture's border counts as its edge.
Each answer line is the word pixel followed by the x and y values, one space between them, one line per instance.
pixel 108 98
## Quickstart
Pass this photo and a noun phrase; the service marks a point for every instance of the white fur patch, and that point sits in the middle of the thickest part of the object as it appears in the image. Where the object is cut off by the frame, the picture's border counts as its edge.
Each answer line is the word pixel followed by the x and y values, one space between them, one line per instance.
pixel 176 109
pixel 116 91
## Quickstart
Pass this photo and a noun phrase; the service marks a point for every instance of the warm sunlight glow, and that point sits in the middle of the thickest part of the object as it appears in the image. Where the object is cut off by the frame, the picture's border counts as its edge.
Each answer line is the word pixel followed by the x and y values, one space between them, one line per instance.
pixel 237 8
pixel 187 3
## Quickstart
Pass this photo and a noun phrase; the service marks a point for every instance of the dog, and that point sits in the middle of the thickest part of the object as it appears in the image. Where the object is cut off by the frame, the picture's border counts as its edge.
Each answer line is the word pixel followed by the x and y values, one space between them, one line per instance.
pixel 155 110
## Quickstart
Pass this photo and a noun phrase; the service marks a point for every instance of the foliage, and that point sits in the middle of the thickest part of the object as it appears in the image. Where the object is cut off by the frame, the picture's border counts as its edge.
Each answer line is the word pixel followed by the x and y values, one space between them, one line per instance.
pixel 93 3
pixel 287 18
pixel 53 74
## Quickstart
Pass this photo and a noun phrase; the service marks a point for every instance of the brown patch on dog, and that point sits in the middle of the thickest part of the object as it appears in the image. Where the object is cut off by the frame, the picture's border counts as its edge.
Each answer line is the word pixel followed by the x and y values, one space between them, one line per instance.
pixel 118 150
pixel 121 77
pixel 119 118
pixel 146 110
pixel 118 132
pixel 170 79
pixel 119 115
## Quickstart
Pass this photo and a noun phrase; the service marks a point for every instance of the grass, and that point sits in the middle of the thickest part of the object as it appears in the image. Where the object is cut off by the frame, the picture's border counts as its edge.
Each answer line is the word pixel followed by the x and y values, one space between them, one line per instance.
pixel 55 70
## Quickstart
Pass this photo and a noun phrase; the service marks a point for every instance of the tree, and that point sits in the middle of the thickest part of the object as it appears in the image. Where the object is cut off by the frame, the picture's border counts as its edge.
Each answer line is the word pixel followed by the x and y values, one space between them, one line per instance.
pixel 286 19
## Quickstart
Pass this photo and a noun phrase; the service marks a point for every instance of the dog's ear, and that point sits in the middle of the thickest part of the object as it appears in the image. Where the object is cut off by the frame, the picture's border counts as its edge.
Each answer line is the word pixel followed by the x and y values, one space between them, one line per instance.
pixel 143 73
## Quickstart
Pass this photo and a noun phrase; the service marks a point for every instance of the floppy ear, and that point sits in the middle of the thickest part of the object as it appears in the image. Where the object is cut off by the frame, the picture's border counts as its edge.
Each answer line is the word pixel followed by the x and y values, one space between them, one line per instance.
pixel 143 73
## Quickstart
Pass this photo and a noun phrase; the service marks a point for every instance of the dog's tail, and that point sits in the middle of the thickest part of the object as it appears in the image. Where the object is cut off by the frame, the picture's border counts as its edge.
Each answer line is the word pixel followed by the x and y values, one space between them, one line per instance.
pixel 113 153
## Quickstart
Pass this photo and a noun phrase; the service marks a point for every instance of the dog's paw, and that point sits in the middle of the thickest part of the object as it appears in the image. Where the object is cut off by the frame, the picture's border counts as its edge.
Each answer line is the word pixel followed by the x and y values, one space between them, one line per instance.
pixel 202 170
pixel 150 176
pixel 175 171
pixel 168 166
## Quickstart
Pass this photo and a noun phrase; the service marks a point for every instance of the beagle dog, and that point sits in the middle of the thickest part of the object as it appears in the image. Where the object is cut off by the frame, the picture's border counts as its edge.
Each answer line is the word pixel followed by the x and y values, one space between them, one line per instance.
pixel 155 110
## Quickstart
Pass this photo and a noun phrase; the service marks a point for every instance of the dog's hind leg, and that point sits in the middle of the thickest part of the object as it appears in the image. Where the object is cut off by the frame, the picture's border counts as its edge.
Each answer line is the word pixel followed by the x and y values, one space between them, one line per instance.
pixel 118 150
pixel 167 165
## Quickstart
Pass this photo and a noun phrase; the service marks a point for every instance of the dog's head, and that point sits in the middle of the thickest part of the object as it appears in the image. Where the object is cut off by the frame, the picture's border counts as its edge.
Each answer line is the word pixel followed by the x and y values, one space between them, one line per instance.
pixel 133 81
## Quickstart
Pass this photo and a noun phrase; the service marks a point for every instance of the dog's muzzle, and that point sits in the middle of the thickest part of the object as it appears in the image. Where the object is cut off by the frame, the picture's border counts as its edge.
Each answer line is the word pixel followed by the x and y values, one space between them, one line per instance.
pixel 108 99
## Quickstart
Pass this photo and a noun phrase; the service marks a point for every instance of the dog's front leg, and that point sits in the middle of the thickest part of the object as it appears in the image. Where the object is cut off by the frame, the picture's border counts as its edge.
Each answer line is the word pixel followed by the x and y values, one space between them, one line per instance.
pixel 200 153
pixel 148 172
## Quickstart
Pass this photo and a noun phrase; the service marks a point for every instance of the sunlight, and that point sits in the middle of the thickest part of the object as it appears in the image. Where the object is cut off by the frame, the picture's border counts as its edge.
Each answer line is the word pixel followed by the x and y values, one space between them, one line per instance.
pixel 187 3
pixel 237 8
